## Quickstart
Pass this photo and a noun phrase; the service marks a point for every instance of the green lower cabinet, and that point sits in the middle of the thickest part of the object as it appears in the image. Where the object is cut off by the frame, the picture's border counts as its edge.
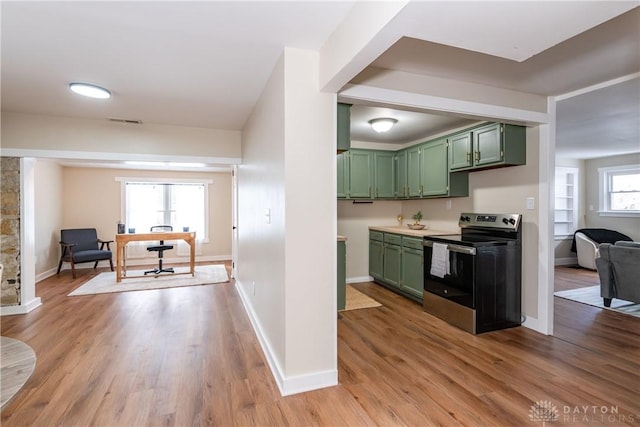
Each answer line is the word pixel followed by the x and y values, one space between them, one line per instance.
pixel 392 264
pixel 376 265
pixel 396 261
pixel 412 281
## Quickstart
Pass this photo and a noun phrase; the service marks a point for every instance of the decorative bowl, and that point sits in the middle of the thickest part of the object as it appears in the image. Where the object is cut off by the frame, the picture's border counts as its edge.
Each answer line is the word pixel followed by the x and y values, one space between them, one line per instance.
pixel 416 226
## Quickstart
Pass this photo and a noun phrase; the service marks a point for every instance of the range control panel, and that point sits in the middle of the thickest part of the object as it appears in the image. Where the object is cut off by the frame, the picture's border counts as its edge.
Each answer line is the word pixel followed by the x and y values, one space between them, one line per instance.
pixel 501 221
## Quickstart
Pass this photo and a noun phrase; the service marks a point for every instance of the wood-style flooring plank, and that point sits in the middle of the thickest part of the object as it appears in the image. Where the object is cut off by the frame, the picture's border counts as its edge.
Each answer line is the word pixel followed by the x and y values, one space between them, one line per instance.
pixel 189 357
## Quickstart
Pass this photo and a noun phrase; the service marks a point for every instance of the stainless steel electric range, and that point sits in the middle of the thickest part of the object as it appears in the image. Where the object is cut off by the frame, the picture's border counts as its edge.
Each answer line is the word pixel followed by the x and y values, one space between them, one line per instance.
pixel 473 280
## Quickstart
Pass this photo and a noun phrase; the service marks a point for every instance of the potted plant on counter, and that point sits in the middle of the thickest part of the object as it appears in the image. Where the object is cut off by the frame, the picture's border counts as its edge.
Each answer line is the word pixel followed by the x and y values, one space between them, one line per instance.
pixel 416 225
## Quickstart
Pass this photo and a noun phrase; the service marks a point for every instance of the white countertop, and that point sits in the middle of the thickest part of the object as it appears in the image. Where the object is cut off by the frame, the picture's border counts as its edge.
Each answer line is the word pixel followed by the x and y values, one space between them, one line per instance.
pixel 409 232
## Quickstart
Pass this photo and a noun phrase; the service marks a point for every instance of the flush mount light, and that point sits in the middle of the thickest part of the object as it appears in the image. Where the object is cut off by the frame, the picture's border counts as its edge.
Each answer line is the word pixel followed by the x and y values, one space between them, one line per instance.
pixel 382 124
pixel 92 91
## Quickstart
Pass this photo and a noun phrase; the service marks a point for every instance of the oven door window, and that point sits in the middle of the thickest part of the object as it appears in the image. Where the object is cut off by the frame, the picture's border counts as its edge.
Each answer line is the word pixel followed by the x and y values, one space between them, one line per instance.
pixel 458 284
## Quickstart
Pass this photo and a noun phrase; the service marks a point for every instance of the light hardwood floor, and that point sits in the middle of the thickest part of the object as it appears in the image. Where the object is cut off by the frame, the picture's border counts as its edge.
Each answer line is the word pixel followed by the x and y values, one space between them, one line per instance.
pixel 188 357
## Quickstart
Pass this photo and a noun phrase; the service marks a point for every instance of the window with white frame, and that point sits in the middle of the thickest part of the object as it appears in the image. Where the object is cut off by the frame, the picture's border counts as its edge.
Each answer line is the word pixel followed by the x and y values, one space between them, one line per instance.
pixel 566 201
pixel 181 204
pixel 619 193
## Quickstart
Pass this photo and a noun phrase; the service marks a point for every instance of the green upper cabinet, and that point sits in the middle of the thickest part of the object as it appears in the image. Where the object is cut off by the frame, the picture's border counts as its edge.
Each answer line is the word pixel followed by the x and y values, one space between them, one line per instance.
pixel 343 175
pixel 490 146
pixel 384 175
pixel 460 151
pixel 434 169
pixel 413 171
pixel 344 127
pixel 361 174
pixel 401 175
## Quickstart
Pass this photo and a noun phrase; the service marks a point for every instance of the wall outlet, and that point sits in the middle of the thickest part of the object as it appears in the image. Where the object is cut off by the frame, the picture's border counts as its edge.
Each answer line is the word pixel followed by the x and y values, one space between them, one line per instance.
pixel 448 204
pixel 267 216
pixel 531 203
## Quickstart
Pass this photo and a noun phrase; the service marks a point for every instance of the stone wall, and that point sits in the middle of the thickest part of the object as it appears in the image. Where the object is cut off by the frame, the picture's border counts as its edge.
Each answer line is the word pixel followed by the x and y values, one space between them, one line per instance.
pixel 10 230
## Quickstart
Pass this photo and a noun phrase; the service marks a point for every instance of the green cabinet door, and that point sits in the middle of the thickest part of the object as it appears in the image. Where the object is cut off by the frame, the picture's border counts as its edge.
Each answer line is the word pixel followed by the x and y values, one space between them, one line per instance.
pixel 434 169
pixel 412 281
pixel 392 264
pixel 413 172
pixel 360 174
pixel 384 174
pixel 401 175
pixel 487 145
pixel 343 175
pixel 376 253
pixel 344 127
pixel 460 151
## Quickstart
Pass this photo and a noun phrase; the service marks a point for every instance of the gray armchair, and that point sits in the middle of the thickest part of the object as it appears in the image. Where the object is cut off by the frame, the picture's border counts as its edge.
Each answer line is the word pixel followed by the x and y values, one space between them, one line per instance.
pixel 80 245
pixel 619 271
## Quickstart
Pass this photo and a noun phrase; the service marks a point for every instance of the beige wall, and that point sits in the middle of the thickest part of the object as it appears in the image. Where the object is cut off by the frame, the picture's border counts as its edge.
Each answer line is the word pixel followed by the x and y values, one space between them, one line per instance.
pixel 48 216
pixel 288 152
pixel 451 89
pixel 91 197
pixel 626 225
pixel 82 136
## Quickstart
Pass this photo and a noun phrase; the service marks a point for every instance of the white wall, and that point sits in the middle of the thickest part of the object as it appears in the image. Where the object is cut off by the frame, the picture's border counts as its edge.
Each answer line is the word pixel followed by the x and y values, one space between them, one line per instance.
pixel 289 169
pixel 625 225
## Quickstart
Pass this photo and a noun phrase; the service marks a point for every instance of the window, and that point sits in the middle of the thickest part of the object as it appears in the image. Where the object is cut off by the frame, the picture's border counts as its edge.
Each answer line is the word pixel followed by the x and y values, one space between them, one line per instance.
pixel 566 201
pixel 179 204
pixel 619 191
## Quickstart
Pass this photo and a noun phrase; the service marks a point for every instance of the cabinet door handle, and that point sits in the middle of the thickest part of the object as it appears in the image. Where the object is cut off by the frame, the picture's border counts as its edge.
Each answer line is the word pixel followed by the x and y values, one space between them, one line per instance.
pixel 468 157
pixel 477 156
pixel 369 191
pixel 421 189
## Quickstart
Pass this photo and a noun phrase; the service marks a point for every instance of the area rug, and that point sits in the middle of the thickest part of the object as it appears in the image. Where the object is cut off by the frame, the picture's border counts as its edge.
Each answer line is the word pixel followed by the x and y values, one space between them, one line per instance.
pixel 16 366
pixel 591 296
pixel 355 299
pixel 136 281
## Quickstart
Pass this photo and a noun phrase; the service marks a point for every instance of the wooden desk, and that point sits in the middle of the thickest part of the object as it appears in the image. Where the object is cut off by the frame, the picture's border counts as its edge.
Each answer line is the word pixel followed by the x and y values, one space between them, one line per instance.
pixel 123 239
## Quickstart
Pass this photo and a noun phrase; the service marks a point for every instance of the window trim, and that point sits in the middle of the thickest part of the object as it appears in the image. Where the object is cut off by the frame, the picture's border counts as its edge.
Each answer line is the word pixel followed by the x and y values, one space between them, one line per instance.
pixel 141 179
pixel 603 190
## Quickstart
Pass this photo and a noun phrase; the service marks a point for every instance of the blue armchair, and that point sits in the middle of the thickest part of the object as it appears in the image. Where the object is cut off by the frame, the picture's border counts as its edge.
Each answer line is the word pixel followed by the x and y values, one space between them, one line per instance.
pixel 80 245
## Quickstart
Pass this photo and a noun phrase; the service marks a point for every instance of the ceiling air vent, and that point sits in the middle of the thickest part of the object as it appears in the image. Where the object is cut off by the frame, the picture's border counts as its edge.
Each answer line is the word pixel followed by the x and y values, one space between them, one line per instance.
pixel 135 122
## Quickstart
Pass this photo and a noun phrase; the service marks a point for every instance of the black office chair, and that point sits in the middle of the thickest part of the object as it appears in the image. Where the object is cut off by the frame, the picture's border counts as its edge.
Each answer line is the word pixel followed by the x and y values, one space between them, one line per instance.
pixel 160 248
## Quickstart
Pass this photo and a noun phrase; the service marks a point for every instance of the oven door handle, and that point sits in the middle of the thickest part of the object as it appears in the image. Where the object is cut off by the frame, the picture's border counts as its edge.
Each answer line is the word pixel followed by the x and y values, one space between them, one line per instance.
pixel 453 248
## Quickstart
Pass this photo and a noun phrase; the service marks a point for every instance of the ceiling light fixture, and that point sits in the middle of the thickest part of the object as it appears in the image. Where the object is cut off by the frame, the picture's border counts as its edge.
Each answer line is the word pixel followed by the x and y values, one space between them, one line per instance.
pixel 92 91
pixel 382 124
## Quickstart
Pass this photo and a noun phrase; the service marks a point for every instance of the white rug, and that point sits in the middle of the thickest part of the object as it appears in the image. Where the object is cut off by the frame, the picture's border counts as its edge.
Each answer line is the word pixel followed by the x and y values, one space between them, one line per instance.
pixel 16 366
pixel 136 281
pixel 591 296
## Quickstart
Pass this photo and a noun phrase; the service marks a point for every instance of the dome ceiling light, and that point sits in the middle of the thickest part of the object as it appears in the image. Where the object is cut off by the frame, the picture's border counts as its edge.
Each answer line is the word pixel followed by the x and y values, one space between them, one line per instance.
pixel 90 90
pixel 382 124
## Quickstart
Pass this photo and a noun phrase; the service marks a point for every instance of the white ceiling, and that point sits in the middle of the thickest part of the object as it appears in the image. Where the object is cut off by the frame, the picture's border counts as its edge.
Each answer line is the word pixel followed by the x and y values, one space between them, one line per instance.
pixel 204 64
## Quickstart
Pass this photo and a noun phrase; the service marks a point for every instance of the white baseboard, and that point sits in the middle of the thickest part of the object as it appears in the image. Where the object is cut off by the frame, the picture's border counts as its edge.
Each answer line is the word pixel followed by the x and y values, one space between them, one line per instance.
pixel 10 310
pixel 532 323
pixel 286 385
pixel 566 261
pixel 360 279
